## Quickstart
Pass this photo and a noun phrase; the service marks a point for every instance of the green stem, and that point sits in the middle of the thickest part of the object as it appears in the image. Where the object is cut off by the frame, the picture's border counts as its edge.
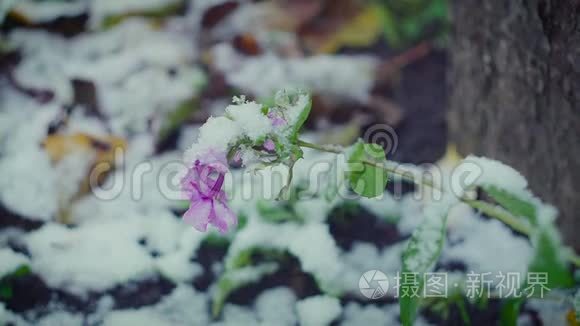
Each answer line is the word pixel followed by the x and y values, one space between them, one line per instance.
pixel 389 167
pixel 323 148
pixel 500 214
pixel 490 210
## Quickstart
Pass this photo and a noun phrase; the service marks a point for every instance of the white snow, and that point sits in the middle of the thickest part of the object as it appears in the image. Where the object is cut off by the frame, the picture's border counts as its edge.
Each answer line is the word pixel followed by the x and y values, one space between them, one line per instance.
pixel 88 258
pixel 136 317
pixel 384 206
pixel 61 318
pixel 344 76
pixel 184 306
pixel 10 261
pixel 364 257
pixel 250 119
pixel 318 254
pixel 323 262
pixel 237 315
pixel 28 184
pixel 318 310
pixel 217 133
pixel 128 64
pixel 469 242
pixel 45 11
pixel 494 173
pixel 276 306
pixel 355 314
pixel 10 317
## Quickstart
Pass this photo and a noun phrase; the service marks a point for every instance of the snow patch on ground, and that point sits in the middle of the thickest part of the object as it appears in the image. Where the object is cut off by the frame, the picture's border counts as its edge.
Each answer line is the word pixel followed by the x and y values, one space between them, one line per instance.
pixel 184 306
pixel 88 258
pixel 318 310
pixel 343 76
pixel 25 175
pixel 469 242
pixel 11 261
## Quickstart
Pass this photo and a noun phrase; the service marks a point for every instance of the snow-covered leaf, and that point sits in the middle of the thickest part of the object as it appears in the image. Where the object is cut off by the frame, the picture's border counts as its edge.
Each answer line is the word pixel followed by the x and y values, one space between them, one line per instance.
pixel 512 203
pixel 298 103
pixel 234 279
pixel 547 244
pixel 420 255
pixel 548 258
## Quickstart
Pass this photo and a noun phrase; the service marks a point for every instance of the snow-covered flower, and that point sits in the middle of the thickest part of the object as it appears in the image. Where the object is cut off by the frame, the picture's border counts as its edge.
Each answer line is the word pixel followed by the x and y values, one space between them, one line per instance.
pixel 269 145
pixel 203 186
pixel 276 118
pixel 247 134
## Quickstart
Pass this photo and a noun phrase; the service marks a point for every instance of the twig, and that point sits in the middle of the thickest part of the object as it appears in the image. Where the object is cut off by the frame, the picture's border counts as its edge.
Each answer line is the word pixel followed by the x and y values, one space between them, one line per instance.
pixel 490 210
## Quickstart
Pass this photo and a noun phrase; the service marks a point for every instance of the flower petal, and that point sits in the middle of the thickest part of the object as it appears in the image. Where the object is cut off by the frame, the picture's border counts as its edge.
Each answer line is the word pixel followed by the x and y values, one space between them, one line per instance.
pixel 223 217
pixel 269 145
pixel 198 214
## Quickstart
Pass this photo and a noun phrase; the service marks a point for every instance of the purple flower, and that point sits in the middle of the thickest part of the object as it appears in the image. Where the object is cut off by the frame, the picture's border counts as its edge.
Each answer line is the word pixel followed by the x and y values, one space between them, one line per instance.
pixel 203 187
pixel 277 119
pixel 269 145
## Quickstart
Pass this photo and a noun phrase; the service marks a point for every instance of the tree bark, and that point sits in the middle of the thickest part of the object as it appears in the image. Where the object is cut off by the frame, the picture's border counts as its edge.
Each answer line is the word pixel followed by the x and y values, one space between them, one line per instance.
pixel 515 94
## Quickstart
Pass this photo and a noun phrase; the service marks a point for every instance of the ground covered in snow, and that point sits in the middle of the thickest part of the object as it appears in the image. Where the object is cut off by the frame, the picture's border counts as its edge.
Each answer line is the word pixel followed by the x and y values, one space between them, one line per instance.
pixel 125 97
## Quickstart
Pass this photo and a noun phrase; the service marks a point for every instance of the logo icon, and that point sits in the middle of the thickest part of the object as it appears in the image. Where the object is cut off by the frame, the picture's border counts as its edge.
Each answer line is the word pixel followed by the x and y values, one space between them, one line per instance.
pixel 373 284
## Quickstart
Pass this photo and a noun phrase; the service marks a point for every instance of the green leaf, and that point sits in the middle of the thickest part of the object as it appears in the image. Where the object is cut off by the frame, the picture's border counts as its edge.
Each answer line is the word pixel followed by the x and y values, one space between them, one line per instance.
pixel 5 281
pixel 275 211
pixel 252 256
pixel 151 13
pixel 461 306
pixel 21 271
pixel 510 311
pixel 420 255
pixel 546 242
pixel 237 278
pixel 548 258
pixel 215 240
pixel 390 27
pixel 301 120
pixel 406 21
pixel 177 117
pixel 365 179
pixel 290 99
pixel 513 204
pixel 5 291
pixel 547 246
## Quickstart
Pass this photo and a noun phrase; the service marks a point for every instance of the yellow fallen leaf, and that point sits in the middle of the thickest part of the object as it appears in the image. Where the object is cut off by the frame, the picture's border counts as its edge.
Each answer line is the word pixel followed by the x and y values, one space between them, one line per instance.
pixel 362 30
pixel 19 17
pixel 572 319
pixel 58 146
pixel 104 150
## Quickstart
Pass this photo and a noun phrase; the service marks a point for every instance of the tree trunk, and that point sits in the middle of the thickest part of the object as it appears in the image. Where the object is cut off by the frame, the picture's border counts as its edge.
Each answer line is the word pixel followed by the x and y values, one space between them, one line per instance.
pixel 516 94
